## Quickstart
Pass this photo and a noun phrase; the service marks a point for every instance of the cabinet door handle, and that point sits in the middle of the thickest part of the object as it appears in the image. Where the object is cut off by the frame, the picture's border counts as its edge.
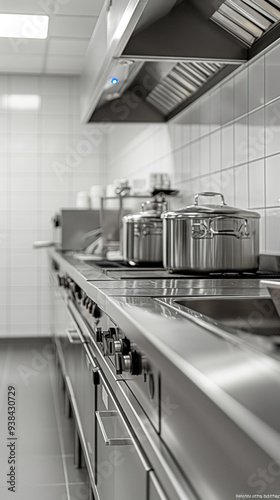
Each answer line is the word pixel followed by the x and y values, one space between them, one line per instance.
pixel 70 306
pixel 69 333
pixel 89 447
pixel 110 441
pixel 91 364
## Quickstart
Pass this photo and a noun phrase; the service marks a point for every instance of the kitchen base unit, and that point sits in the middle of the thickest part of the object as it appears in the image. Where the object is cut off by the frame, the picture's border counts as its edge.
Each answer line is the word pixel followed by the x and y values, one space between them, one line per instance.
pixel 167 405
pixel 113 431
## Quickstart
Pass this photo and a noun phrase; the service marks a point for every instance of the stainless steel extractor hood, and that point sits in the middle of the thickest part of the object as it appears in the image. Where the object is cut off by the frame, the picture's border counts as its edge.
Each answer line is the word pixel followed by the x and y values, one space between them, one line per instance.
pixel 172 51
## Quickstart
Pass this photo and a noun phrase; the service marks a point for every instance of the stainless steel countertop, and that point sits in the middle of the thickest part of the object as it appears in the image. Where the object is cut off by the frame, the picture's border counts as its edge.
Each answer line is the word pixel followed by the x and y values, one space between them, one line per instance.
pixel 122 298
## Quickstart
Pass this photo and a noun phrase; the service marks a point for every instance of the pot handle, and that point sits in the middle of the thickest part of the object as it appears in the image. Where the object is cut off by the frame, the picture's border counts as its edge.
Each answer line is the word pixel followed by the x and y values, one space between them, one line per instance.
pixel 241 232
pixel 209 193
pixel 201 231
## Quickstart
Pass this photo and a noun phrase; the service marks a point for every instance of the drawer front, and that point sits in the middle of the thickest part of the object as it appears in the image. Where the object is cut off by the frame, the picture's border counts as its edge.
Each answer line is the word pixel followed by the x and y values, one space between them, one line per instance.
pixel 122 470
pixel 59 317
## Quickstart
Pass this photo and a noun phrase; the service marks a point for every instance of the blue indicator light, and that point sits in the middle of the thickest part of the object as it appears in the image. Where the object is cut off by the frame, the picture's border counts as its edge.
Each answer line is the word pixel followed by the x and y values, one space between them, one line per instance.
pixel 114 81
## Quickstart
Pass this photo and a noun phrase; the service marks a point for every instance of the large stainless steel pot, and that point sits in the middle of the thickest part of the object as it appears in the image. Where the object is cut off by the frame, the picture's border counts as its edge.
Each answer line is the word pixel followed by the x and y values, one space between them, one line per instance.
pixel 206 238
pixel 142 233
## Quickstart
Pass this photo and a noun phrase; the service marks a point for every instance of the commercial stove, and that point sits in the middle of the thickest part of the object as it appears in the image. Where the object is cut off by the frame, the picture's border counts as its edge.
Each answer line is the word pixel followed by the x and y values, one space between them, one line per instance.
pixel 188 377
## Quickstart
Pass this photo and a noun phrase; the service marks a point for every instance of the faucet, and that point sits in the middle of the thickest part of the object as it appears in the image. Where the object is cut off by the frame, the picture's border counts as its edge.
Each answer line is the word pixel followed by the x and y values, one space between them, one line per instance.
pixel 93 242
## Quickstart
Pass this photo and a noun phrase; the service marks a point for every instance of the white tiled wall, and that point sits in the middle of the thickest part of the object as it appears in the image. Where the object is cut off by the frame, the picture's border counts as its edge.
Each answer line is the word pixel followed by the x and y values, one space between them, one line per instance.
pixel 227 141
pixel 46 156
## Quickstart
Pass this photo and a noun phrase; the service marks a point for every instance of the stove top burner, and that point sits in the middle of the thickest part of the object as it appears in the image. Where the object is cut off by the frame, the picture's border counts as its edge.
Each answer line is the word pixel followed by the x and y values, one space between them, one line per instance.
pixel 232 274
pixel 109 264
pixel 124 270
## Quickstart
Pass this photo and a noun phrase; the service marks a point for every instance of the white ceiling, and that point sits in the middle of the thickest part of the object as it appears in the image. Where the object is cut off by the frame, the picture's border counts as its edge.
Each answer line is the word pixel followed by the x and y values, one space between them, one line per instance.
pixel 71 25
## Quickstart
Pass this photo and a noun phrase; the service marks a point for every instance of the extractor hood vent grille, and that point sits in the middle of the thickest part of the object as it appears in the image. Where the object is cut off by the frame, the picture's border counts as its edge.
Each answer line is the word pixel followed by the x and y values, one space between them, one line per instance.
pixel 181 83
pixel 247 20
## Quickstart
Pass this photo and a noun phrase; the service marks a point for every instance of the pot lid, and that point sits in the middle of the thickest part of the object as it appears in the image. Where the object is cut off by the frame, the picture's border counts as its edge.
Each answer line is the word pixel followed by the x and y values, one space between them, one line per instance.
pixel 197 210
pixel 151 209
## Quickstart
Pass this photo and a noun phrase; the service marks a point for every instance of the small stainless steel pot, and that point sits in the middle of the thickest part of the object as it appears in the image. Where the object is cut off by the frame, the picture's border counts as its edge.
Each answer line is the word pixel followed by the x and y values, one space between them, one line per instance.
pixel 142 233
pixel 209 238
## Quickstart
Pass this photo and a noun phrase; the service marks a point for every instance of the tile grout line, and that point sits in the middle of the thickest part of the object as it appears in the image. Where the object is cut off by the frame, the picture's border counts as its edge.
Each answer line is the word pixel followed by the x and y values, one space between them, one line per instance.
pixel 265 152
pixel 59 427
pixel 8 215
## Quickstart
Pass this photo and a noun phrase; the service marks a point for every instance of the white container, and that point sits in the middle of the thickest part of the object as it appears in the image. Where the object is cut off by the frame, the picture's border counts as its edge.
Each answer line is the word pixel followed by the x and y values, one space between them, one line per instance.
pixel 110 193
pixel 95 196
pixel 82 200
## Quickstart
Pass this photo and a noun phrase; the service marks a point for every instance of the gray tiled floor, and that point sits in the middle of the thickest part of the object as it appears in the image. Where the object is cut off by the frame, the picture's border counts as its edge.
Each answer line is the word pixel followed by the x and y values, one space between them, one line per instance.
pixel 44 447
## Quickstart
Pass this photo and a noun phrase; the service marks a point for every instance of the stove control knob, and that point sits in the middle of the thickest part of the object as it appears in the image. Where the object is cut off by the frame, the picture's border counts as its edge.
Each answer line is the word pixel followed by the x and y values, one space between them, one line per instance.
pixel 98 334
pixel 85 297
pixel 78 293
pixel 128 363
pixel 67 282
pixel 75 289
pixel 118 363
pixel 60 280
pixel 105 342
pixel 109 339
pixel 96 312
pixel 89 305
pixel 135 363
pixel 120 345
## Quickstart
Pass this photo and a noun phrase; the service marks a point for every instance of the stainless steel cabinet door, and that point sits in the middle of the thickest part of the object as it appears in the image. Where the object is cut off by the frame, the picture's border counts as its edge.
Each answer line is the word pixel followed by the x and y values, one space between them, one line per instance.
pixel 59 317
pixel 64 330
pixel 86 369
pixel 155 490
pixel 122 470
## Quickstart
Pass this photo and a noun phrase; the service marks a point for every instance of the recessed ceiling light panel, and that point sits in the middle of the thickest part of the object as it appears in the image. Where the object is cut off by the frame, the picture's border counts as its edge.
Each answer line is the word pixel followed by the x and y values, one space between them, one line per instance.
pixel 23 26
pixel 20 102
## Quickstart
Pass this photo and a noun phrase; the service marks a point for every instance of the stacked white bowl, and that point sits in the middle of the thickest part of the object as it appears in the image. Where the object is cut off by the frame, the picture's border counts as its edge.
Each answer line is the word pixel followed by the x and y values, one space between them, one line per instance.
pixel 95 194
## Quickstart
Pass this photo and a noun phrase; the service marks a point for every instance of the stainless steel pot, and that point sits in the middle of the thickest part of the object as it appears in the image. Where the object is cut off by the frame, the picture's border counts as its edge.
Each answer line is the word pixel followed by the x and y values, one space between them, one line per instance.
pixel 142 233
pixel 210 237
